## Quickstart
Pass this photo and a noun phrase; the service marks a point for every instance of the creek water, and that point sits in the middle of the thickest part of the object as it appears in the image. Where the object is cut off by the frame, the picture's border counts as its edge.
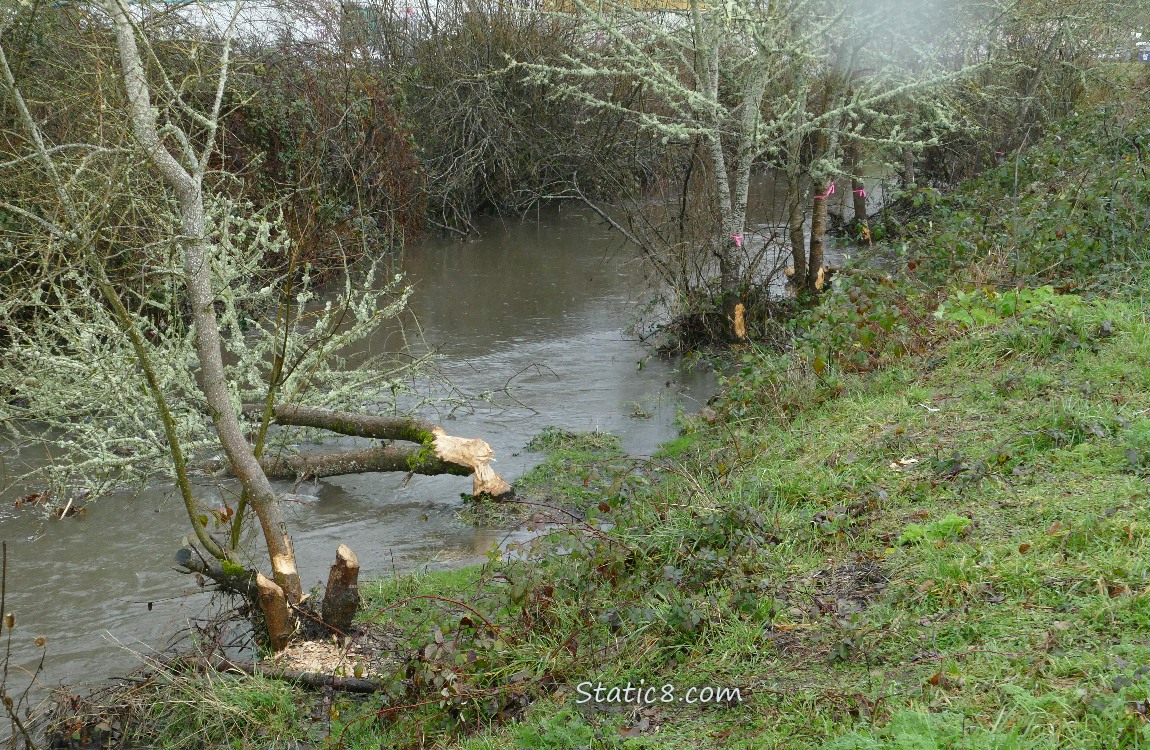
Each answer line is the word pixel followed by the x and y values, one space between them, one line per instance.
pixel 533 312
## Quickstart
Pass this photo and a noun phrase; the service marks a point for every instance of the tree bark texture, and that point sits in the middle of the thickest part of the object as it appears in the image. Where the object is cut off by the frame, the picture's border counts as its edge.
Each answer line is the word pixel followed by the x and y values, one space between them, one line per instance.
pixel 278 618
pixel 796 221
pixel 310 679
pixel 858 189
pixel 438 452
pixel 232 578
pixel 907 166
pixel 341 599
pixel 818 236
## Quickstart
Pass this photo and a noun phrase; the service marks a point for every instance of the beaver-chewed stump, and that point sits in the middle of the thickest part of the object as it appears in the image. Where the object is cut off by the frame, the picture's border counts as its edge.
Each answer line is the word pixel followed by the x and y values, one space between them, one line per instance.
pixel 429 450
pixel 341 598
pixel 433 452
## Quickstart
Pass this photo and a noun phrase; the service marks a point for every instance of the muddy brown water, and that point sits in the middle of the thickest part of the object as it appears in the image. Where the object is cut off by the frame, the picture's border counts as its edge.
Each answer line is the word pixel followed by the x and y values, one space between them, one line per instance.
pixel 536 313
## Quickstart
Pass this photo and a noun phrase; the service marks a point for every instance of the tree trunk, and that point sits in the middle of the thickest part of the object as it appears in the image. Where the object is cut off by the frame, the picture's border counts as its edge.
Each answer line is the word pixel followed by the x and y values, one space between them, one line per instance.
pixel 341 599
pixel 814 280
pixel 270 671
pixel 382 458
pixel 858 189
pixel 187 187
pixel 796 221
pixel 277 616
pixel 907 166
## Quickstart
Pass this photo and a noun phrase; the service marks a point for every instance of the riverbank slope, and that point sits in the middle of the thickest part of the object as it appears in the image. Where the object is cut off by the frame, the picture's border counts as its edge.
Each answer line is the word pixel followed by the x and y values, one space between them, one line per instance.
pixel 924 525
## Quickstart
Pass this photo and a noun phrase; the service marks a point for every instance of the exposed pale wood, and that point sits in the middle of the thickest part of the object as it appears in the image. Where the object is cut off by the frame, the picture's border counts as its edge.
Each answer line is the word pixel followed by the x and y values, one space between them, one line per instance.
pixel 273 603
pixel 440 453
pixel 740 321
pixel 341 599
pixel 818 237
pixel 478 455
pixel 186 187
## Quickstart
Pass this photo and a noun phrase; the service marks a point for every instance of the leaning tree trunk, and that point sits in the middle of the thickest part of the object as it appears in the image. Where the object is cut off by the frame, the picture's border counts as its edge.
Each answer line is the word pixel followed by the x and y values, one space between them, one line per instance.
pixel 186 183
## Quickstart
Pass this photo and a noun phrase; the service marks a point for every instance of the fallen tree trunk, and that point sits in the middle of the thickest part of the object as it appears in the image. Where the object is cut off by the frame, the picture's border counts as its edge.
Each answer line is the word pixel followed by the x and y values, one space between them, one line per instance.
pixel 231 578
pixel 381 458
pixel 375 426
pixel 250 584
pixel 438 452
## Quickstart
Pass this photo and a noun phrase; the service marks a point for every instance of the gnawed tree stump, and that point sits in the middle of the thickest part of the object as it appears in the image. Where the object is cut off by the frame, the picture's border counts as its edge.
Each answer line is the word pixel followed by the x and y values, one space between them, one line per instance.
pixel 250 584
pixel 277 616
pixel 434 452
pixel 341 600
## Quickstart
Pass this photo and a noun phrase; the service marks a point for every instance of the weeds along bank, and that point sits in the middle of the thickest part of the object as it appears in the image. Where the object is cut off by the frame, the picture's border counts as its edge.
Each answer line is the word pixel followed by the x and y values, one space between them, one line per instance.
pixel 929 535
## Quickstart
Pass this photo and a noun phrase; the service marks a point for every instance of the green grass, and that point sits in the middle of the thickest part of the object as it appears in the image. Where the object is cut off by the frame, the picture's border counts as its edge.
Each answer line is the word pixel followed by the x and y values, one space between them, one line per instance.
pixel 222 711
pixel 945 552
pixel 926 527
pixel 948 552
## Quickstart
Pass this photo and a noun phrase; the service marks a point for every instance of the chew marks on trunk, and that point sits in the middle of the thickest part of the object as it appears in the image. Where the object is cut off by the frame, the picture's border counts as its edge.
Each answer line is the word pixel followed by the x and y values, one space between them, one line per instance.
pixel 434 452
pixel 278 618
pixel 815 272
pixel 341 600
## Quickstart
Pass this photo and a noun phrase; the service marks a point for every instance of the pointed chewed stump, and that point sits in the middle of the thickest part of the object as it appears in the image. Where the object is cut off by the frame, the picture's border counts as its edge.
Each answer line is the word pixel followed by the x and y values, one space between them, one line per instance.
pixel 341 600
pixel 277 616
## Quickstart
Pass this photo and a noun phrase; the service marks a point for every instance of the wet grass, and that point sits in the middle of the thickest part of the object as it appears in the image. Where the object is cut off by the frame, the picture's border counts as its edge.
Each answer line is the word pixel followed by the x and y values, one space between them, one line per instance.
pixel 949 552
pixel 925 527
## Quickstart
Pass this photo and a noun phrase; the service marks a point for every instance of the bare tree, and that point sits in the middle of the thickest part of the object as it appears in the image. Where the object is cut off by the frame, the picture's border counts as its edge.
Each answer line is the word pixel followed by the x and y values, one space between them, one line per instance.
pixel 96 369
pixel 749 82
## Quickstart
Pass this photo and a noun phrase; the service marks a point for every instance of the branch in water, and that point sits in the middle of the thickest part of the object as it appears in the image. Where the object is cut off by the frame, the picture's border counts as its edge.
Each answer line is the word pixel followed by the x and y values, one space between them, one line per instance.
pixel 439 453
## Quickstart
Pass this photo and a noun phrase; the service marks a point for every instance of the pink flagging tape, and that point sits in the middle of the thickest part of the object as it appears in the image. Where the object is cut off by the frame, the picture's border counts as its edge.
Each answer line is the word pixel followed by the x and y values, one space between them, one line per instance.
pixel 738 238
pixel 830 191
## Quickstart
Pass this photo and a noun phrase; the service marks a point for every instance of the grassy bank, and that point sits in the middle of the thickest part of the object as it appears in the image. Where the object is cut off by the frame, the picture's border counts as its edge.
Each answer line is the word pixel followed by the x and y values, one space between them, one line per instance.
pixel 924 526
pixel 946 552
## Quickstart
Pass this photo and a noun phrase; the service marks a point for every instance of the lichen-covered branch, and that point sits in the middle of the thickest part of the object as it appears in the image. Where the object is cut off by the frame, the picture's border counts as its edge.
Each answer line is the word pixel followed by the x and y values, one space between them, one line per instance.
pixel 438 452
pixel 383 458
pixel 379 427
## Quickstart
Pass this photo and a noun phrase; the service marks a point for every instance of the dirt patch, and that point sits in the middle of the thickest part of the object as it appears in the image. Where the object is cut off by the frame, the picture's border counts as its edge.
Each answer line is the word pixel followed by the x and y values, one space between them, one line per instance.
pixel 824 601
